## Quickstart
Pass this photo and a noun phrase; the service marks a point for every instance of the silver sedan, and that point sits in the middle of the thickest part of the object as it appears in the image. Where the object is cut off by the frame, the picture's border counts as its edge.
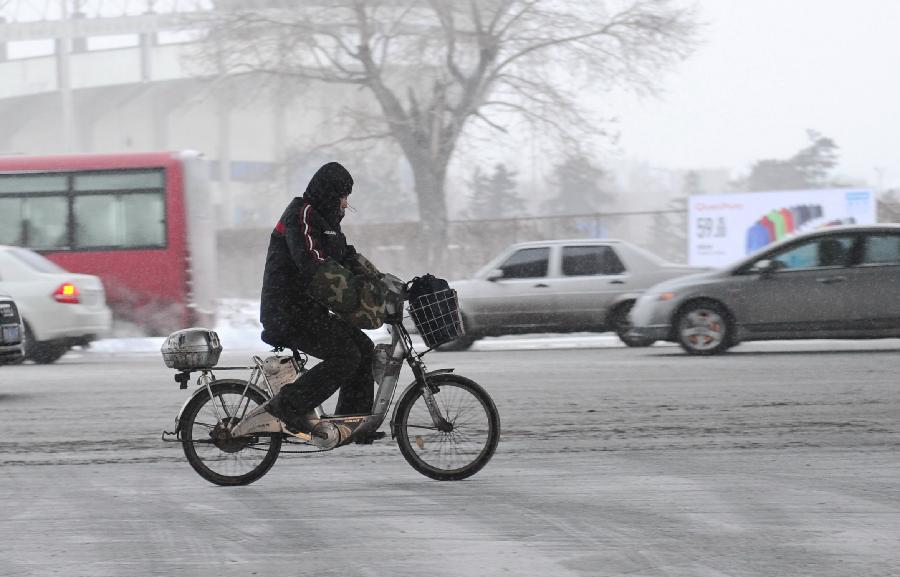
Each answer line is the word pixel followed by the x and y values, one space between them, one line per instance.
pixel 840 282
pixel 560 286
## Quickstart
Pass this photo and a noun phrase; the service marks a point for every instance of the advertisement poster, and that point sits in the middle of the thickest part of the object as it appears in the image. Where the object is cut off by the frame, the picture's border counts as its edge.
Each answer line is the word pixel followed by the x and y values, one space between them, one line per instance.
pixel 723 228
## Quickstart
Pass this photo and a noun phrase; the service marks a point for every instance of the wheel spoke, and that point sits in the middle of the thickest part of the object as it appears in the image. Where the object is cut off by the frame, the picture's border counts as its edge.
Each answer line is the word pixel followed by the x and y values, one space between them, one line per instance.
pixel 428 427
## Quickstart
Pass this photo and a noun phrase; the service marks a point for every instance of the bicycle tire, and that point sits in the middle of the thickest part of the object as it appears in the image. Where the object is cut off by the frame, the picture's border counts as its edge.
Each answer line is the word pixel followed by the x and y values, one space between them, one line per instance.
pixel 230 453
pixel 473 440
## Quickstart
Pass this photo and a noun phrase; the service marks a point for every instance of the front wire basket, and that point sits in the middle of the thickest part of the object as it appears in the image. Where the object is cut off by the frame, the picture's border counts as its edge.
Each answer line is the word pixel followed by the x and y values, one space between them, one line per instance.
pixel 436 316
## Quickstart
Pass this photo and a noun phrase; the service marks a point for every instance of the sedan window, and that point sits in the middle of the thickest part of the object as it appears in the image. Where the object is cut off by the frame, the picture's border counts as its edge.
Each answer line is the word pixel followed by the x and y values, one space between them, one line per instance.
pixel 817 253
pixel 881 249
pixel 35 261
pixel 526 263
pixel 590 260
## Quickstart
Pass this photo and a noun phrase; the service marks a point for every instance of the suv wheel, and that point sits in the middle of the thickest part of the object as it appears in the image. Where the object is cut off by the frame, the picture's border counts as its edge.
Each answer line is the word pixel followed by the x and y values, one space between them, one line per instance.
pixel 703 328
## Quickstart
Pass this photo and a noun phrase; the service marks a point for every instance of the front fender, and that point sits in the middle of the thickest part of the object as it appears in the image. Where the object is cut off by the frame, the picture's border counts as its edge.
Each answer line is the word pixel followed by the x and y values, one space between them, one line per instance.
pixel 410 386
pixel 619 301
pixel 202 390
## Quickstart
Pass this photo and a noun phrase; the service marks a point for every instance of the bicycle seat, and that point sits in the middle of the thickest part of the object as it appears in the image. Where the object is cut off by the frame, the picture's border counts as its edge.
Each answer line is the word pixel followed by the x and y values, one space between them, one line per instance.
pixel 281 344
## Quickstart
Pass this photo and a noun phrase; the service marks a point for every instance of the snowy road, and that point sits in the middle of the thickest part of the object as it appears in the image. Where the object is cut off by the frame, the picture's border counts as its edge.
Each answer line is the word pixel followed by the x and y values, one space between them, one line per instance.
pixel 776 459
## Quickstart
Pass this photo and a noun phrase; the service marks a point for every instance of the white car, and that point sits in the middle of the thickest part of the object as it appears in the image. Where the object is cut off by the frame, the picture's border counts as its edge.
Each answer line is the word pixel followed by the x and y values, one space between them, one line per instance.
pixel 59 309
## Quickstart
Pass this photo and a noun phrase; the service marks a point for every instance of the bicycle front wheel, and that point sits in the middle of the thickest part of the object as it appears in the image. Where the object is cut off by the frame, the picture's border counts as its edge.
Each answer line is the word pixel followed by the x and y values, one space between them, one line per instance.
pixel 211 450
pixel 469 443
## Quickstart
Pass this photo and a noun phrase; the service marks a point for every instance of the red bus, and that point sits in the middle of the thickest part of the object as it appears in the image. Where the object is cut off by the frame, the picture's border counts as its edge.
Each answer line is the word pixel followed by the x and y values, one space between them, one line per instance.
pixel 141 222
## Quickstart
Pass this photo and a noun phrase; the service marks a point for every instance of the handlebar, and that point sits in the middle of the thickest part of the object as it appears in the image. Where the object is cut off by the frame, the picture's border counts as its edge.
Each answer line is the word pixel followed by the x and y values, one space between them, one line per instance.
pixel 396 296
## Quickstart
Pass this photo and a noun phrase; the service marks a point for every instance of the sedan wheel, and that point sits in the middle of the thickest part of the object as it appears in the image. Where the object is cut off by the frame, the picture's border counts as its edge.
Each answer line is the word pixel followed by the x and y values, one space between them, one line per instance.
pixel 704 329
pixel 43 353
pixel 463 343
pixel 621 324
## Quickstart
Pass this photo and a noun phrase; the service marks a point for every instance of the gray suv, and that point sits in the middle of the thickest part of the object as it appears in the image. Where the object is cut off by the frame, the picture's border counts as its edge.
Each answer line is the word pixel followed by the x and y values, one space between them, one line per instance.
pixel 840 282
pixel 560 286
pixel 12 333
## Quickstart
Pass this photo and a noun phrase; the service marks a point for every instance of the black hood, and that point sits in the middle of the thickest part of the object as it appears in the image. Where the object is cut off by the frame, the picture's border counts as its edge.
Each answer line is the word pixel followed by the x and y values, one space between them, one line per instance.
pixel 325 190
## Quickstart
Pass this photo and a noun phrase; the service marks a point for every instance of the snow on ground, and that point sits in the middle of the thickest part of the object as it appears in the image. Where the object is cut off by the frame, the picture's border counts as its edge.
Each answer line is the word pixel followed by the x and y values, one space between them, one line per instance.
pixel 239 329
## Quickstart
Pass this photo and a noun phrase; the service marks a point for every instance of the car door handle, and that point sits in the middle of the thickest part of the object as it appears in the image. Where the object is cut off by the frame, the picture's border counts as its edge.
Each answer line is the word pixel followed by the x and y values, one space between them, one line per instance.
pixel 616 282
pixel 831 279
pixel 541 285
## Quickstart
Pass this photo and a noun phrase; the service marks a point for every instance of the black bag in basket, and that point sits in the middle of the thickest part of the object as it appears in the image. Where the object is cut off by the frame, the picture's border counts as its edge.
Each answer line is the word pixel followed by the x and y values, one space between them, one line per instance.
pixel 434 310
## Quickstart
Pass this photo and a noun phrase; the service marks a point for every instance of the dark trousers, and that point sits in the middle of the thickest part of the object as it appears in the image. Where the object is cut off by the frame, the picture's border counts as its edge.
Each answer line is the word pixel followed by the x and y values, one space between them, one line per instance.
pixel 346 355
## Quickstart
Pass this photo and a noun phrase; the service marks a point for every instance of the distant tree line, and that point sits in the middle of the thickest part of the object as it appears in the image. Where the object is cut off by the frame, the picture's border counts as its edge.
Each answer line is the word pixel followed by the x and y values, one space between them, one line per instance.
pixel 810 167
pixel 576 185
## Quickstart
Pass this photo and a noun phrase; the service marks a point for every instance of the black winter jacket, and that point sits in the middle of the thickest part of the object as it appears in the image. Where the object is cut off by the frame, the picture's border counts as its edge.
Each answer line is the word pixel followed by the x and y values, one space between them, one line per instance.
pixel 307 235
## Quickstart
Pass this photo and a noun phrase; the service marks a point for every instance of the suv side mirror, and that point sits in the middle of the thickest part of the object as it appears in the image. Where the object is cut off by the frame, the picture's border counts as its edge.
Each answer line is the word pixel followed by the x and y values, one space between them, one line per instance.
pixel 495 274
pixel 766 266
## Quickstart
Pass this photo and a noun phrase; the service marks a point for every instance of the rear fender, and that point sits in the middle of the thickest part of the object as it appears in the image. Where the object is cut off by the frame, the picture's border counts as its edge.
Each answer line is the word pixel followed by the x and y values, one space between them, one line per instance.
pixel 411 386
pixel 200 390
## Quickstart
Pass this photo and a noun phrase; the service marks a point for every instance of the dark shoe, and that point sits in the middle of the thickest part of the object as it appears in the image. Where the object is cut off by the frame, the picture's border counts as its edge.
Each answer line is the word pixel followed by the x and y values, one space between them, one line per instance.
pixel 369 438
pixel 293 422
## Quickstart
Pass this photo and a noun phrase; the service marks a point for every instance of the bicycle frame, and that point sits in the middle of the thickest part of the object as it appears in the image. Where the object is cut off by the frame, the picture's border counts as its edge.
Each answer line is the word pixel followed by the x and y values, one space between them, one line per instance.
pixel 401 348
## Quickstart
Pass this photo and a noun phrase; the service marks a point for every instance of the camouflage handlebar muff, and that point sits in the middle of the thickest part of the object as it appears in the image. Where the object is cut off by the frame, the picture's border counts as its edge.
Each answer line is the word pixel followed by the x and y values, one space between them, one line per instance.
pixel 371 312
pixel 335 287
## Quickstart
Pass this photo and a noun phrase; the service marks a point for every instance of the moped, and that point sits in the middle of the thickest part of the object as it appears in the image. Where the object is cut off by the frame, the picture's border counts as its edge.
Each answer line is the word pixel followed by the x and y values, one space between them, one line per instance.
pixel 447 426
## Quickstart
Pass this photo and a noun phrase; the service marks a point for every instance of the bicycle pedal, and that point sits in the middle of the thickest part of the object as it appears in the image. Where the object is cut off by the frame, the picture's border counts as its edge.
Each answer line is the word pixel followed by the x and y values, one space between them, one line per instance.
pixel 302 436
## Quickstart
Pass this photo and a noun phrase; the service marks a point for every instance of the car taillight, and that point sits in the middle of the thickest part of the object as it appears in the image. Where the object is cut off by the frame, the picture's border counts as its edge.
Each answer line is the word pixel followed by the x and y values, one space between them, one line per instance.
pixel 66 293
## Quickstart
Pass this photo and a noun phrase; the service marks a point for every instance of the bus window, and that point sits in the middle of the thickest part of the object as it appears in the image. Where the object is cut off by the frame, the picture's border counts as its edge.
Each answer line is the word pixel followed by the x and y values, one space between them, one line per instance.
pixel 45 222
pixel 95 221
pixel 37 222
pixel 110 212
pixel 10 184
pixel 28 215
pixel 144 217
pixel 131 180
pixel 11 221
pixel 120 220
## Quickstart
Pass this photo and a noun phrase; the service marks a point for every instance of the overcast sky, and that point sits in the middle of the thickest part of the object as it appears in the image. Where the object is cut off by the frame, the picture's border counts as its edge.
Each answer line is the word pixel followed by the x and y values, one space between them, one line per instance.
pixel 767 71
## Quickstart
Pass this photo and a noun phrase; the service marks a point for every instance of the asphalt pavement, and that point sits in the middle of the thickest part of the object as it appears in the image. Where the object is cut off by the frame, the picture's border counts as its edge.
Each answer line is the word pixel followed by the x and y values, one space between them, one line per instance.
pixel 775 459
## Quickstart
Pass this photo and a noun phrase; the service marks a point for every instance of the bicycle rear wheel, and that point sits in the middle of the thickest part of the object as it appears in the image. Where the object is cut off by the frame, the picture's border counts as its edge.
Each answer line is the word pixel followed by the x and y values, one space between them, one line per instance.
pixel 460 452
pixel 211 450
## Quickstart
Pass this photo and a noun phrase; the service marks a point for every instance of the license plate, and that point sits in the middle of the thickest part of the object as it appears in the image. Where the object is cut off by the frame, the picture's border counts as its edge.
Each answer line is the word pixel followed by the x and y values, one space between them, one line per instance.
pixel 11 334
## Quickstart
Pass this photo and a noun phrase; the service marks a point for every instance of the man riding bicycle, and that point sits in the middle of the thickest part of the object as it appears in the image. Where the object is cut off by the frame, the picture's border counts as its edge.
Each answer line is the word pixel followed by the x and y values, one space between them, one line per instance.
pixel 317 294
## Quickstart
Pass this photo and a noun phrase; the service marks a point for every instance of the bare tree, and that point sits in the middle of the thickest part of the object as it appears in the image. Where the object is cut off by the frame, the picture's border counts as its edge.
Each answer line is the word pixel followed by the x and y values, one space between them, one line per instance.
pixel 435 67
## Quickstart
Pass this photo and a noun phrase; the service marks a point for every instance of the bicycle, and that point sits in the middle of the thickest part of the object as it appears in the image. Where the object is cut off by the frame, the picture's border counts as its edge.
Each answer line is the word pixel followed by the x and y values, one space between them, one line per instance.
pixel 447 426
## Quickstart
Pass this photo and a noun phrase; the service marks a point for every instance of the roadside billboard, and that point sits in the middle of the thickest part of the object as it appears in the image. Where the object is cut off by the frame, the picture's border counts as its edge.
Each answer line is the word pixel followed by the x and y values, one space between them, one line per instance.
pixel 723 228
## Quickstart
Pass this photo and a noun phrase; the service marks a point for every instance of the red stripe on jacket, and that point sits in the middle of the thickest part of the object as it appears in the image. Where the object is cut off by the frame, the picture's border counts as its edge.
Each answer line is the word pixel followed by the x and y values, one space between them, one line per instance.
pixel 310 243
pixel 279 228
